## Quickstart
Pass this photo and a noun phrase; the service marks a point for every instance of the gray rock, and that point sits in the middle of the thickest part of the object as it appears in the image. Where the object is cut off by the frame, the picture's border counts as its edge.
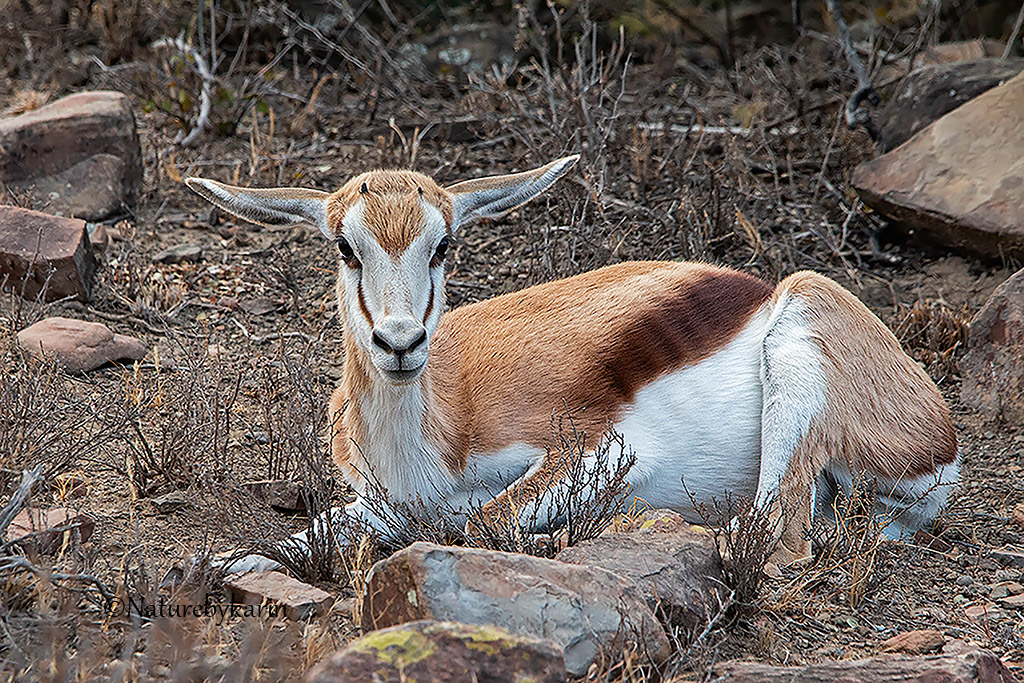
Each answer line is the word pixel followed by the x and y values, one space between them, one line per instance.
pixel 679 571
pixel 959 182
pixel 43 254
pixel 78 156
pixel 586 610
pixel 77 345
pixel 443 652
pixel 930 92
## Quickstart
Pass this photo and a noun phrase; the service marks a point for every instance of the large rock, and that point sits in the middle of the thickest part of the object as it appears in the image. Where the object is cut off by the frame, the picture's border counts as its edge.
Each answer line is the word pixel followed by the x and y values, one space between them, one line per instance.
pixel 676 566
pixel 443 652
pixel 973 666
pixel 960 181
pixel 78 156
pixel 47 529
pixel 77 345
pixel 45 254
pixel 993 367
pixel 590 612
pixel 930 92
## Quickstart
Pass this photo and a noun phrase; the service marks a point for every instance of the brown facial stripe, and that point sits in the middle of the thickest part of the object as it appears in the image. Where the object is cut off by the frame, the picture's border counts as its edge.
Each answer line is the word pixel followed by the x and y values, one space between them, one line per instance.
pixel 362 302
pixel 430 302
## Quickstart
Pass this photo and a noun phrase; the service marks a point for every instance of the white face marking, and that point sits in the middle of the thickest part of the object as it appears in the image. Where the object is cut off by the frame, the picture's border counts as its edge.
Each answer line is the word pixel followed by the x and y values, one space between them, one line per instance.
pixel 403 295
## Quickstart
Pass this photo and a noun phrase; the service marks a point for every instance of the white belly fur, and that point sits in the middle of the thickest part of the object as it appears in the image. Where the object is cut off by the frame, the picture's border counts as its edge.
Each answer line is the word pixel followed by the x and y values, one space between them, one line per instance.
pixel 701 425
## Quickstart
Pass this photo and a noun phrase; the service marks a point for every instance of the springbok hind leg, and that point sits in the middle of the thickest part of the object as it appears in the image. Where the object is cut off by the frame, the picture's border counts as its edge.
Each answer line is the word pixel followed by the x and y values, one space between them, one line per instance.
pixel 793 394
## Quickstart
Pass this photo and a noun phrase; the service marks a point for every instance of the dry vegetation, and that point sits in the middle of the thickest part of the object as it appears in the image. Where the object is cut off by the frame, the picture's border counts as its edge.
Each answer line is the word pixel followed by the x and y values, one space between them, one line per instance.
pixel 701 139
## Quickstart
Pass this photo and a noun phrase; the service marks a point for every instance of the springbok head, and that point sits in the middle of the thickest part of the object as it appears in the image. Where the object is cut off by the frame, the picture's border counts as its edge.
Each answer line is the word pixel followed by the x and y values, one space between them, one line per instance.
pixel 392 230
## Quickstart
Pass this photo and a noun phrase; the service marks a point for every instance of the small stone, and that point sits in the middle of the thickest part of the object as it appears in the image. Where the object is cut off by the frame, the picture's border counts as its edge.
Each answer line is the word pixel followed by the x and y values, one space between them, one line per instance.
pixel 98 237
pixel 915 642
pixel 281 494
pixel 300 600
pixel 445 652
pixel 77 345
pixel 46 529
pixel 1012 602
pixel 984 612
pixel 180 254
pixel 964 580
pixel 1017 516
pixel 43 254
pixel 1007 558
pixel 215 351
pixel 170 502
pixel 928 540
pixel 259 306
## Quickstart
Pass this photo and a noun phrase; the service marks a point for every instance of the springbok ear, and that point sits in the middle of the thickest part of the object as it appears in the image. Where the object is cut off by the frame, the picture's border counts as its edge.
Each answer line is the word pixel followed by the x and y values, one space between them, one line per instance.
pixel 493 196
pixel 279 206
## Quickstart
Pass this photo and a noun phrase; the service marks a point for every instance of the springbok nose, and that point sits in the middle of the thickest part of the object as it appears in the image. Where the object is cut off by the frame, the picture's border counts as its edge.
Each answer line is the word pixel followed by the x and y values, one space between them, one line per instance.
pixel 399 336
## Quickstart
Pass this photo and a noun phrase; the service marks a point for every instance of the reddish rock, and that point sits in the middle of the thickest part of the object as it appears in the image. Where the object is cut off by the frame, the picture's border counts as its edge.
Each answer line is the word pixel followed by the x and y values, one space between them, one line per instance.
pixel 77 345
pixel 43 254
pixel 932 91
pixel 78 156
pixel 993 367
pixel 959 182
pixel 915 642
pixel 443 652
pixel 300 600
pixel 973 666
pixel 46 529
pixel 586 610
pixel 675 565
pixel 982 613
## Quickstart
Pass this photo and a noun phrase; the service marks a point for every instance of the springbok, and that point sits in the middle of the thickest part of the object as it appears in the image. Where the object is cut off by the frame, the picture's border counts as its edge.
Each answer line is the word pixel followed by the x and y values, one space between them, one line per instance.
pixel 710 376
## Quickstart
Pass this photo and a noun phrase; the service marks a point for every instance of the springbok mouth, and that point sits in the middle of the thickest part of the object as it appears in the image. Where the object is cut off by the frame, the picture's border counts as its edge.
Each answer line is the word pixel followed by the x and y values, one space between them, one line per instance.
pixel 401 376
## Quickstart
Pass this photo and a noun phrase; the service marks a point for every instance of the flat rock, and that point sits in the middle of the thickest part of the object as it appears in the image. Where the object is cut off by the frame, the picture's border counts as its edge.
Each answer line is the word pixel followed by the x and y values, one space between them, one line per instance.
pixel 972 666
pixel 588 611
pixel 77 345
pixel 932 91
pixel 443 652
pixel 78 156
pixel 45 528
pixel 993 367
pixel 170 502
pixel 959 182
pixel 300 600
pixel 1012 602
pixel 915 642
pixel 179 254
pixel 44 255
pixel 676 567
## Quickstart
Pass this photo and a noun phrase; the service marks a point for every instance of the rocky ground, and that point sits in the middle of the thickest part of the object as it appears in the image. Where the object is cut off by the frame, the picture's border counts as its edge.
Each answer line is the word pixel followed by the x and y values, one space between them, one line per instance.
pixel 166 367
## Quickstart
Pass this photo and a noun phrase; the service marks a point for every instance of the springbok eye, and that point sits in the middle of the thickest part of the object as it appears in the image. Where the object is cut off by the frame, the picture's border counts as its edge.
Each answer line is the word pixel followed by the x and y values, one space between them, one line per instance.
pixel 347 255
pixel 442 249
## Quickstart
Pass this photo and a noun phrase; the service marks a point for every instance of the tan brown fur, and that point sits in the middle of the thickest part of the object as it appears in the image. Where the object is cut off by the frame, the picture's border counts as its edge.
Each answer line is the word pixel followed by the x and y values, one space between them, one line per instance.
pixel 391 205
